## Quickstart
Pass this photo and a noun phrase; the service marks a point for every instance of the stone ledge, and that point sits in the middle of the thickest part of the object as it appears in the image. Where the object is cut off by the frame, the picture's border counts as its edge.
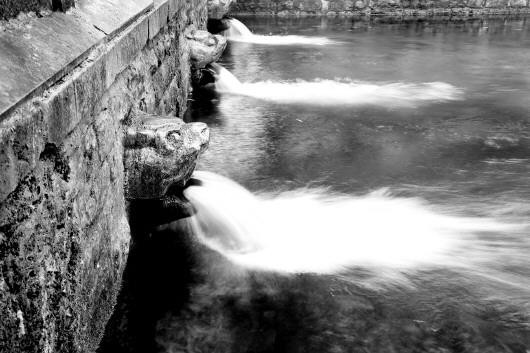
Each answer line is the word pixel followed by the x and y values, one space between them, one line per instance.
pixel 35 53
pixel 159 18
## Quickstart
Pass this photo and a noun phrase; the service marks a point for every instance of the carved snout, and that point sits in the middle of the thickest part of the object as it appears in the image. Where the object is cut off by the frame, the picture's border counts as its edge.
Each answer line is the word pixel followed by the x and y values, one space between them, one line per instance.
pixel 161 152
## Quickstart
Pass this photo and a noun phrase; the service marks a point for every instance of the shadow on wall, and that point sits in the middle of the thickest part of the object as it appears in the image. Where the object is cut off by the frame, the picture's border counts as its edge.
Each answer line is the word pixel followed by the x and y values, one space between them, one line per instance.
pixel 156 281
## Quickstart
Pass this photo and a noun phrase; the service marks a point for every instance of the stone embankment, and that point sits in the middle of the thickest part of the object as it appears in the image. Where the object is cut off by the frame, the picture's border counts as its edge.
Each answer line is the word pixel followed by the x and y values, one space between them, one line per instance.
pixel 89 122
pixel 363 8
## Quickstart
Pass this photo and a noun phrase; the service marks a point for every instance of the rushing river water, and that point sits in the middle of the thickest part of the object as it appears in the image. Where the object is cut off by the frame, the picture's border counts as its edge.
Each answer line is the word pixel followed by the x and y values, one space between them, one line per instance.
pixel 390 170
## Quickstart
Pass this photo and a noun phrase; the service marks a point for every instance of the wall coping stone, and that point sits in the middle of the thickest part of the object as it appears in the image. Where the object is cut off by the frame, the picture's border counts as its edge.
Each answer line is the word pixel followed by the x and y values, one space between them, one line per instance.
pixel 36 53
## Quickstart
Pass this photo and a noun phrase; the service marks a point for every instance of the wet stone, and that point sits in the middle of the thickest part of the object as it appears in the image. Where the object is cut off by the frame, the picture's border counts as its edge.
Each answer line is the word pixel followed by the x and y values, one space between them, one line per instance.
pixel 205 47
pixel 161 152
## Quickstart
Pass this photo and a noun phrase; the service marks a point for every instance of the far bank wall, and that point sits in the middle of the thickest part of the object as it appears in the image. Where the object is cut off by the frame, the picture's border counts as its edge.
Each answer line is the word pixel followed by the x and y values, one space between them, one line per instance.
pixel 379 7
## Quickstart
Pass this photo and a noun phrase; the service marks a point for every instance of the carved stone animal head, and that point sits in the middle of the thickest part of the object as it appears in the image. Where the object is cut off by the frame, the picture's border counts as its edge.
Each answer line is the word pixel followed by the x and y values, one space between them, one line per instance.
pixel 205 47
pixel 161 152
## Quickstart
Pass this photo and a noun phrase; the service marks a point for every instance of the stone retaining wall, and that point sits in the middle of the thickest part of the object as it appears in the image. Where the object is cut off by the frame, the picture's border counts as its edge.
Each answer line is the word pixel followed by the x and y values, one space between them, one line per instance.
pixel 420 8
pixel 64 233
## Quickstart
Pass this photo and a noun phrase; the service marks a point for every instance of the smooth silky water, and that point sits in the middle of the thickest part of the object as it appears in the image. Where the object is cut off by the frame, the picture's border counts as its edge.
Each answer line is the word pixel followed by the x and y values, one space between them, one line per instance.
pixel 368 191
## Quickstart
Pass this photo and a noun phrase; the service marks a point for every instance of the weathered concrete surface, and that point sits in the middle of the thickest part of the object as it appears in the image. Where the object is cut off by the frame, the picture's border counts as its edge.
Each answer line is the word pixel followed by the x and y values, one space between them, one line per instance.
pixel 11 8
pixel 422 8
pixel 159 153
pixel 64 232
pixel 36 52
pixel 205 48
pixel 108 16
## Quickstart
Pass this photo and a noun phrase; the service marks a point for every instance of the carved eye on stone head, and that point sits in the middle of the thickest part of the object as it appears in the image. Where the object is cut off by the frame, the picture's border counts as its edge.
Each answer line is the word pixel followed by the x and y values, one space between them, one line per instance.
pixel 173 137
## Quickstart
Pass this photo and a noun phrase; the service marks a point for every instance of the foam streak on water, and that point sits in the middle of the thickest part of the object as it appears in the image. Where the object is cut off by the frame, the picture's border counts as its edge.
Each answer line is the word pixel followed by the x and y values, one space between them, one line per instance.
pixel 337 93
pixel 312 231
pixel 238 32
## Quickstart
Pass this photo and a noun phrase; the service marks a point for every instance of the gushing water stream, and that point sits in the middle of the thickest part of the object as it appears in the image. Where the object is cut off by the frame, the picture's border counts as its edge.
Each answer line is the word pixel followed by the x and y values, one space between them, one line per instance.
pixel 238 32
pixel 310 230
pixel 338 92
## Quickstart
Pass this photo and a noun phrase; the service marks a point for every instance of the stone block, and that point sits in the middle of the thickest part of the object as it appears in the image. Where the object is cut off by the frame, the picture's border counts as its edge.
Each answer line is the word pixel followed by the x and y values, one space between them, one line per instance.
pixel 125 49
pixel 89 87
pixel 518 3
pixel 22 137
pixel 158 19
pixel 60 112
pixel 497 3
pixel 174 6
pixel 118 13
pixel 474 3
pixel 154 24
pixel 360 4
pixel 172 101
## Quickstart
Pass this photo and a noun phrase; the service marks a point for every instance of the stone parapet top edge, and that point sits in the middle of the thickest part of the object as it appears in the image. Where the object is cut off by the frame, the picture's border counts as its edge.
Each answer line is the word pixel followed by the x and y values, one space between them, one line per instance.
pixel 156 14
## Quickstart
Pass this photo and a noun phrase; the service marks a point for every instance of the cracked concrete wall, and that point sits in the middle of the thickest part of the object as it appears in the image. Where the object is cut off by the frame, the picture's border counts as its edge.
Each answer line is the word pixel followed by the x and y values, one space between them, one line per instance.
pixel 64 233
pixel 375 7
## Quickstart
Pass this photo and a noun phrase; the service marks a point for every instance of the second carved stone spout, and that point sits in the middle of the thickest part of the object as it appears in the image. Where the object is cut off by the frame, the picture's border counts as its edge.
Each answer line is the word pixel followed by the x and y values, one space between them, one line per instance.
pixel 205 47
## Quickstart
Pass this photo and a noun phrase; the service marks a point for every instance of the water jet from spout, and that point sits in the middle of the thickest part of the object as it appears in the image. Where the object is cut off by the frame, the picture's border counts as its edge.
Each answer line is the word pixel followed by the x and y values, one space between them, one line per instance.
pixel 238 32
pixel 312 230
pixel 338 92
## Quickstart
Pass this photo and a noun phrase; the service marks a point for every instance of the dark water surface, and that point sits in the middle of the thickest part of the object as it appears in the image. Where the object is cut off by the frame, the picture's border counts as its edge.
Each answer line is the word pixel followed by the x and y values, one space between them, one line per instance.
pixel 464 157
pixel 470 156
pixel 476 146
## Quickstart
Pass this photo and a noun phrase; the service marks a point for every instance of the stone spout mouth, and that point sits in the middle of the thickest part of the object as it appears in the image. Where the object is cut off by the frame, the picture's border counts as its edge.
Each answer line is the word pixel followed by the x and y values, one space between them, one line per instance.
pixel 218 25
pixel 174 205
pixel 214 69
pixel 160 212
pixel 205 79
pixel 193 182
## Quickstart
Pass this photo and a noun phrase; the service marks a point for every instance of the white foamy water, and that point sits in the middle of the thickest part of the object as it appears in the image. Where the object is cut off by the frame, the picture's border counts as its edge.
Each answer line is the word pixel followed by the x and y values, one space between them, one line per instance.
pixel 312 231
pixel 336 93
pixel 238 32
